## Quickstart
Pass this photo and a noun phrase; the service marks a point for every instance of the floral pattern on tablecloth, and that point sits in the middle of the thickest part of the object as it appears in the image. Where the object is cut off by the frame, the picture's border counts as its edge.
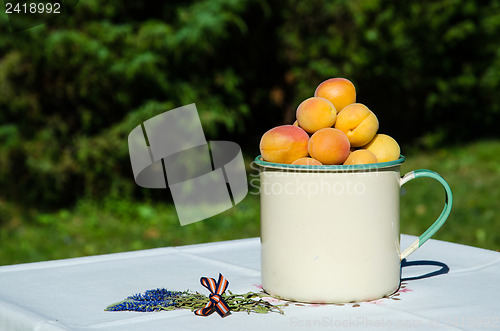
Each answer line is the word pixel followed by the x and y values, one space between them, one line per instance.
pixel 395 296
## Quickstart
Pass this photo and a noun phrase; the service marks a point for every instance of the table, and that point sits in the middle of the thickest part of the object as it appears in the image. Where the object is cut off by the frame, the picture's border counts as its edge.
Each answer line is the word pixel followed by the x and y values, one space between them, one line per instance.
pixel 445 285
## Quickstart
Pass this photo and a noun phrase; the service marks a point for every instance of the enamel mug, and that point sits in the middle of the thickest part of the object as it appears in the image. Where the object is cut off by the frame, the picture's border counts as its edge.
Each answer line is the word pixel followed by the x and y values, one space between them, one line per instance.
pixel 330 234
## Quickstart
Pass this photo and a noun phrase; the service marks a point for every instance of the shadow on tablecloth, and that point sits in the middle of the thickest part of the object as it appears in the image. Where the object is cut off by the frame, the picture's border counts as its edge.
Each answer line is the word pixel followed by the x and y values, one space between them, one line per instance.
pixel 443 268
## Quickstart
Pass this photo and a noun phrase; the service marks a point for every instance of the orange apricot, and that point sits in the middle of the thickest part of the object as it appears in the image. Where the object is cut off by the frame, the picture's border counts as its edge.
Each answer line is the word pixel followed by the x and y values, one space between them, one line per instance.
pixel 284 144
pixel 340 91
pixel 316 113
pixel 360 156
pixel 384 147
pixel 359 124
pixel 306 161
pixel 329 146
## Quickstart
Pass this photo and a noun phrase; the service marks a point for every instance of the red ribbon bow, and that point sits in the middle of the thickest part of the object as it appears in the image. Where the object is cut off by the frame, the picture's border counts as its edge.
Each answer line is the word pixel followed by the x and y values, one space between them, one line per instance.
pixel 216 302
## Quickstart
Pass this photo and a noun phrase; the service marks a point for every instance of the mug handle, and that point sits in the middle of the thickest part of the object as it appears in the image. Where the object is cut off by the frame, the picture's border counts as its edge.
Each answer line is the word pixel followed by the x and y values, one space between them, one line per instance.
pixel 444 214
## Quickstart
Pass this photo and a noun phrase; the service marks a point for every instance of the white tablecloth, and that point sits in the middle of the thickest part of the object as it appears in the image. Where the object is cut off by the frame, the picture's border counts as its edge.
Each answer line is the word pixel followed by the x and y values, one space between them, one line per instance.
pixel 445 286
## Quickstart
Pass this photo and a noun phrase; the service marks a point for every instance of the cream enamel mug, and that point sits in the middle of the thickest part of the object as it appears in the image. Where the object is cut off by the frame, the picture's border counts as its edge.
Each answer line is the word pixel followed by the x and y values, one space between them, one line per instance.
pixel 330 234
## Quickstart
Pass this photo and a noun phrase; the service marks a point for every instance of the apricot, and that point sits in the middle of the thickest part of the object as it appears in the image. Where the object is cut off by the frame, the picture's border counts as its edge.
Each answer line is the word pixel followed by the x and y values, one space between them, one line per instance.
pixel 284 144
pixel 360 156
pixel 384 147
pixel 307 161
pixel 329 146
pixel 359 124
pixel 340 91
pixel 316 113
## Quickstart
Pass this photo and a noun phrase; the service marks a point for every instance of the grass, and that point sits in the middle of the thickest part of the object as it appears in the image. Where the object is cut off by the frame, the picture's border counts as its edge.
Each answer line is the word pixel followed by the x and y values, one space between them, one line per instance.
pixel 110 225
pixel 473 173
pixel 113 226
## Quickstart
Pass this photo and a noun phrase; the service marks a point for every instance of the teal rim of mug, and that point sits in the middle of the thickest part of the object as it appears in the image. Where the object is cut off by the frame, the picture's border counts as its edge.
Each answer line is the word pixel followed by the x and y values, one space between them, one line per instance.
pixel 368 166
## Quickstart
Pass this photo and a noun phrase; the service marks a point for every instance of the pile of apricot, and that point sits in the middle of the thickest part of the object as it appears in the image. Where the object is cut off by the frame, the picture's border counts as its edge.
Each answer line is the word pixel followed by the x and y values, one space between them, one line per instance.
pixel 330 128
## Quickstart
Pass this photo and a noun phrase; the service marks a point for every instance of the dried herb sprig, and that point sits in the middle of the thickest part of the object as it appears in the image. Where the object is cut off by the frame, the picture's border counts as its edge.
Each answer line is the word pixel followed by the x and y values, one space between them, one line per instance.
pixel 162 299
pixel 151 300
pixel 251 302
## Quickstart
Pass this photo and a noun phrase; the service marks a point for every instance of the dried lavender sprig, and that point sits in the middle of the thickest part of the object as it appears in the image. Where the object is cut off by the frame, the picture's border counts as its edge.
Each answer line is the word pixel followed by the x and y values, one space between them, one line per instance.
pixel 151 300
pixel 162 299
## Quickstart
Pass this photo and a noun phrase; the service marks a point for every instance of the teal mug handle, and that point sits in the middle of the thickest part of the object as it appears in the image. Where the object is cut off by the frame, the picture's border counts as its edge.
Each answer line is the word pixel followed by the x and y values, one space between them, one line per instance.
pixel 444 214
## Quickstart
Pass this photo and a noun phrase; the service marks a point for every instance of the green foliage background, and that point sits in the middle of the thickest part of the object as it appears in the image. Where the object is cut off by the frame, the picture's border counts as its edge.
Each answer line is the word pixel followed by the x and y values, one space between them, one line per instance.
pixel 72 89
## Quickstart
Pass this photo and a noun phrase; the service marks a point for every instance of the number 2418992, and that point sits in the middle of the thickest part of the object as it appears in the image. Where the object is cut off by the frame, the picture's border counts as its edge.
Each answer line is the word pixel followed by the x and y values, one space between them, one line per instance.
pixel 33 8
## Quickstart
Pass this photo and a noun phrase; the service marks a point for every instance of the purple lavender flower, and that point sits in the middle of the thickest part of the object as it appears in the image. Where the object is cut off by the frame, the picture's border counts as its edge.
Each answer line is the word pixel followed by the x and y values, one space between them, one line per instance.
pixel 151 300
